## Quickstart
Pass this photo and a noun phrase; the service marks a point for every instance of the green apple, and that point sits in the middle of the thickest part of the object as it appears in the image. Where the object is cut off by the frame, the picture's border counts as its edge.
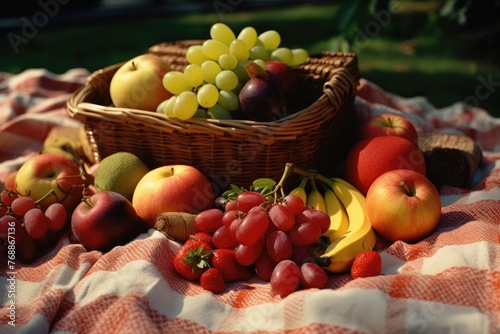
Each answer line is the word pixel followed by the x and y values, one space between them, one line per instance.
pixel 138 83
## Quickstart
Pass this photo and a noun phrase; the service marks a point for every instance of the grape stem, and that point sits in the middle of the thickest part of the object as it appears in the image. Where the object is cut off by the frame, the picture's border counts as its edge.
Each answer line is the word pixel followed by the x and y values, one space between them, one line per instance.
pixel 306 173
pixel 309 173
pixel 51 192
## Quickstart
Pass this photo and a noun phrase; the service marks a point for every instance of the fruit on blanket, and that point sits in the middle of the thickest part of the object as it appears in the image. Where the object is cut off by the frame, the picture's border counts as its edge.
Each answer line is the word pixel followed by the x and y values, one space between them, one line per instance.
pixel 259 99
pixel 212 280
pixel 300 190
pixel 120 172
pixel 104 220
pixel 339 221
pixel 360 236
pixel 366 264
pixel 69 141
pixel 36 223
pixel 264 266
pixel 247 200
pixel 253 226
pixel 252 239
pixel 209 220
pixel 204 236
pixel 10 181
pixel 247 255
pixel 282 217
pixel 315 199
pixel 317 216
pixel 11 229
pixel 192 259
pixel 285 278
pixel 279 246
pixel 53 178
pixel 177 226
pixel 138 83
pixel 22 204
pixel 403 205
pixel 225 261
pixel 57 215
pixel 388 125
pixel 312 276
pixel 174 188
pixel 372 157
pixel 25 224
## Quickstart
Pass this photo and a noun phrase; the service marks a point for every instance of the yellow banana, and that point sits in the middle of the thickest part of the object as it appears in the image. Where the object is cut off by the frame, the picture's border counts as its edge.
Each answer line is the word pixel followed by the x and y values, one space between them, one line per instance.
pixel 339 221
pixel 300 190
pixel 315 199
pixel 360 236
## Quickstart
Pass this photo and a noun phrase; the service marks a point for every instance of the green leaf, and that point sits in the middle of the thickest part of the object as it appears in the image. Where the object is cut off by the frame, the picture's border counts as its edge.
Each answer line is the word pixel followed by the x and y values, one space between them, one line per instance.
pixel 235 188
pixel 263 183
pixel 226 194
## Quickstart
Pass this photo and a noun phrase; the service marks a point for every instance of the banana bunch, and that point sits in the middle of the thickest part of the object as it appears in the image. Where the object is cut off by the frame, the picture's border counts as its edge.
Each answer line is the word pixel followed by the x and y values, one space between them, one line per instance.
pixel 350 231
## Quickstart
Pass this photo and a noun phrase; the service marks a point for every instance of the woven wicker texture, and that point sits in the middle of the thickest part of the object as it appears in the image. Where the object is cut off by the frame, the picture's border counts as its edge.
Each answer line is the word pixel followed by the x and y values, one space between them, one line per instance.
pixel 318 135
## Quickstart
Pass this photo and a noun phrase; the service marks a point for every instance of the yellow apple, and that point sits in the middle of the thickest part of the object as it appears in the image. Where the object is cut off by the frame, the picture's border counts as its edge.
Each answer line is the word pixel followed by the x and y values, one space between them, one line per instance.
pixel 51 173
pixel 138 83
pixel 403 205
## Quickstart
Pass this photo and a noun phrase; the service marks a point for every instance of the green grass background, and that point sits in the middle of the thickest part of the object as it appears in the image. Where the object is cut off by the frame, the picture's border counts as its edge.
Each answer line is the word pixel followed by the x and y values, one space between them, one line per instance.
pixel 406 56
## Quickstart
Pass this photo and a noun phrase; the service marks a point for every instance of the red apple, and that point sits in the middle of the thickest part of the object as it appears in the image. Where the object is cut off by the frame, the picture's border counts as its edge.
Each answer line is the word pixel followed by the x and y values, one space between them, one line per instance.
pixel 372 157
pixel 282 76
pixel 105 220
pixel 172 188
pixel 403 205
pixel 388 125
pixel 138 83
pixel 48 172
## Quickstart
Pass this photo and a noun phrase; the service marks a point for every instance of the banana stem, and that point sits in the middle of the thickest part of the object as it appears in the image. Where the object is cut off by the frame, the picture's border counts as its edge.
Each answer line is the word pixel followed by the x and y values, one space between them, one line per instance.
pixel 314 187
pixel 303 182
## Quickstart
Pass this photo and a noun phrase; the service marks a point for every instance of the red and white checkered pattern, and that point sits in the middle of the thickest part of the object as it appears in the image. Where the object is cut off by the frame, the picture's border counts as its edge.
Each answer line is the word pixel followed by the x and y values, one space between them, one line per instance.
pixel 448 282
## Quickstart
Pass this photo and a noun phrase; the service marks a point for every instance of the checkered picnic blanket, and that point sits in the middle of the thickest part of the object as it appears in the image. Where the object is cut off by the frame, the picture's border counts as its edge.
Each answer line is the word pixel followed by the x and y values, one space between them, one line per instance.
pixel 447 283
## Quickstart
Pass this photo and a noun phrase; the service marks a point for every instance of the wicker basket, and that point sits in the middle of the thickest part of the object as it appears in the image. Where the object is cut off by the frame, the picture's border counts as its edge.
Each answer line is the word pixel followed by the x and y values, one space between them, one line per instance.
pixel 229 151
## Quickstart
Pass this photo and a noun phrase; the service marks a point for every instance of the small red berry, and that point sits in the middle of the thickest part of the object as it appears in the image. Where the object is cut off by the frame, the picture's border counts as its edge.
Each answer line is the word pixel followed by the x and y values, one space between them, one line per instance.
pixel 366 264
pixel 212 280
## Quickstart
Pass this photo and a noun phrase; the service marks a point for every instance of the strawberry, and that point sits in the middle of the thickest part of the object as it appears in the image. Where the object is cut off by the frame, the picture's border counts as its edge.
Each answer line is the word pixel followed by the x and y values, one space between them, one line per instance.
pixel 212 280
pixel 192 258
pixel 225 261
pixel 366 264
pixel 204 236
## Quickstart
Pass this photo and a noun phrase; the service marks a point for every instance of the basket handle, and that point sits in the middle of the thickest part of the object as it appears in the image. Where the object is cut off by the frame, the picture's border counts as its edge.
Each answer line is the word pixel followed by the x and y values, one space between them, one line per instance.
pixel 341 87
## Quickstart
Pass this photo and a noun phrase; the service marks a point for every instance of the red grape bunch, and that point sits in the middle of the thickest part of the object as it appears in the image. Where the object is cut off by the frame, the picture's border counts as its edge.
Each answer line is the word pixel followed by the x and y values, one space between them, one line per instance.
pixel 273 235
pixel 28 228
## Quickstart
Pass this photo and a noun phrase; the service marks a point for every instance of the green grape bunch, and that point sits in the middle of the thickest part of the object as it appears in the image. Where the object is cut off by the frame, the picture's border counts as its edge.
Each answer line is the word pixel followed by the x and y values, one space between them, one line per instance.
pixel 209 85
